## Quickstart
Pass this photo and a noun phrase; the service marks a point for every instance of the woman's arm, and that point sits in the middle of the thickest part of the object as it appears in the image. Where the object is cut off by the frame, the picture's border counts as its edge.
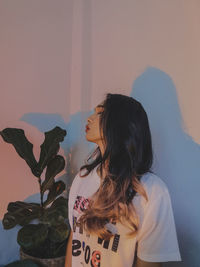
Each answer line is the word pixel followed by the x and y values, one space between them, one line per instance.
pixel 140 263
pixel 68 258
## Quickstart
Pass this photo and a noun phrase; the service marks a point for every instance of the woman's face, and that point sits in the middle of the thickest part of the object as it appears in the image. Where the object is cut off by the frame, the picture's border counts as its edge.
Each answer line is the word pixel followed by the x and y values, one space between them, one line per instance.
pixel 93 131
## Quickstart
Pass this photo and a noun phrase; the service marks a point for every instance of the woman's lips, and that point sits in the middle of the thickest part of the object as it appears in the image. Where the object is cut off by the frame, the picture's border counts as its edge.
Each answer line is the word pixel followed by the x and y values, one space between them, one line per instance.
pixel 87 128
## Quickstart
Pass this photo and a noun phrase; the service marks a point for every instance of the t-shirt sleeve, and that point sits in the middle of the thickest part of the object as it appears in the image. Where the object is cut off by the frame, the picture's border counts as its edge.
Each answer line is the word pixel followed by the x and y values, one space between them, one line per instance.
pixel 71 199
pixel 157 238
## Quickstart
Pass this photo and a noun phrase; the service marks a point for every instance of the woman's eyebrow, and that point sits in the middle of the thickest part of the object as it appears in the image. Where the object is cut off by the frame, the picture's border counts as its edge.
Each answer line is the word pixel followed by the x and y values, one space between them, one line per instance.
pixel 100 106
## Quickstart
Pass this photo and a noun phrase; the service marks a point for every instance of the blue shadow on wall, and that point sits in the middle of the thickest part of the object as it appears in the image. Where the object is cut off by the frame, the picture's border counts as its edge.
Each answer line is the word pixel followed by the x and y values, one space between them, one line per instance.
pixel 176 158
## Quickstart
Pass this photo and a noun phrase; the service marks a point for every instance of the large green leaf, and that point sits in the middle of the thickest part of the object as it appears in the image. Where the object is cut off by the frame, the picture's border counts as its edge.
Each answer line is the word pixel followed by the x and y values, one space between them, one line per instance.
pixel 60 202
pixel 24 148
pixel 54 166
pixel 56 189
pixel 57 213
pixel 50 146
pixel 13 206
pixel 59 233
pixel 52 217
pixel 32 235
pixel 9 221
pixel 20 213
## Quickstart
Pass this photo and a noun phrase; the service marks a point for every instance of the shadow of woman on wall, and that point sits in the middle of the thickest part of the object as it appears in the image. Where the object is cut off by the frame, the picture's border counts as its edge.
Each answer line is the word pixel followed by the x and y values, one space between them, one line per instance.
pixel 176 158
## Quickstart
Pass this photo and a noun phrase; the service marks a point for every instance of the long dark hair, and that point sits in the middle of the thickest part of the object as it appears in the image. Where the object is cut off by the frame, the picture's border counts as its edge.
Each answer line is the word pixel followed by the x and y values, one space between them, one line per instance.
pixel 129 155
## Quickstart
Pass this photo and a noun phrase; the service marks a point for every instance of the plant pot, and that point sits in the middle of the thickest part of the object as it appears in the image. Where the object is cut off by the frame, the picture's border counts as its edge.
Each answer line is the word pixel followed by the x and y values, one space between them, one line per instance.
pixel 54 262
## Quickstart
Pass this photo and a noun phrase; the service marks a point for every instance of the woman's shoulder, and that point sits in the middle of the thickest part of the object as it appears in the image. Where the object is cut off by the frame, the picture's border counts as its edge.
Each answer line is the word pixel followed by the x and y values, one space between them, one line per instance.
pixel 153 184
pixel 157 193
pixel 80 179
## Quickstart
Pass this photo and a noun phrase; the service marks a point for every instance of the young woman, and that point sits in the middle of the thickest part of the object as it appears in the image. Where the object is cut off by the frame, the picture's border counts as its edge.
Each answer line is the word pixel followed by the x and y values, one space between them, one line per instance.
pixel 120 212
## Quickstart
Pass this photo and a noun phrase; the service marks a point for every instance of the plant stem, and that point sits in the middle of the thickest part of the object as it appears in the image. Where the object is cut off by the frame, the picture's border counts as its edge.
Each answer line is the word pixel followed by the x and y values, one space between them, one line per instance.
pixel 41 195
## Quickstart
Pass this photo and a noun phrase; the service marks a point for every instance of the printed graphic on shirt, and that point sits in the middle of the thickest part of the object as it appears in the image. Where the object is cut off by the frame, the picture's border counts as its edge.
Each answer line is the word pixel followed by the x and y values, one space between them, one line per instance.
pixel 81 203
pixel 92 256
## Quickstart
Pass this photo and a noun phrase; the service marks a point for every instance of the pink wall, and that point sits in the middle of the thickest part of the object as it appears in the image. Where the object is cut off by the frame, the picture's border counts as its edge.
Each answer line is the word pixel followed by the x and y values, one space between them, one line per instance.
pixel 35 52
pixel 61 57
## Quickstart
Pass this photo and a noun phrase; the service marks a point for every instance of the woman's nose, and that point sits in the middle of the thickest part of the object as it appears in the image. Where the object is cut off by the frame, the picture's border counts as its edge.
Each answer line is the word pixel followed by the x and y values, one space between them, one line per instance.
pixel 89 119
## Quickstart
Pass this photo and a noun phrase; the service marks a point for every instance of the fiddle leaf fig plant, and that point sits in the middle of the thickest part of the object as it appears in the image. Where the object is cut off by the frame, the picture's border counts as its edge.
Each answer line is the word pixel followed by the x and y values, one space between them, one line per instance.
pixel 48 237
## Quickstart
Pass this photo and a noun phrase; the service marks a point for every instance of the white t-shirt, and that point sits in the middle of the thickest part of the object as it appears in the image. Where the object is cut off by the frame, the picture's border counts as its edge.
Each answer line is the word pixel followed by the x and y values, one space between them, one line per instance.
pixel 156 239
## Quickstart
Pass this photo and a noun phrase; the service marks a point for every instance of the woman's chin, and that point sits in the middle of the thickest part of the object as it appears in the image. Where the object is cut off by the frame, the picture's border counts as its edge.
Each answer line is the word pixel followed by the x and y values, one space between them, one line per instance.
pixel 89 139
